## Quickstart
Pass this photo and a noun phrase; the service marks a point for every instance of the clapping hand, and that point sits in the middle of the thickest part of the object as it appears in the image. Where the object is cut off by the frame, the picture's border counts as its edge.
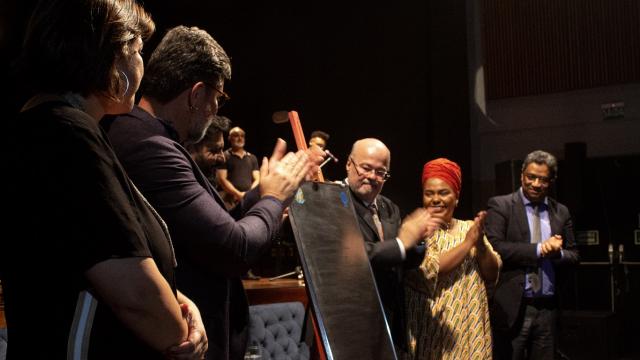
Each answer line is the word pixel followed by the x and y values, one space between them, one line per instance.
pixel 416 226
pixel 476 231
pixel 196 345
pixel 551 247
pixel 281 175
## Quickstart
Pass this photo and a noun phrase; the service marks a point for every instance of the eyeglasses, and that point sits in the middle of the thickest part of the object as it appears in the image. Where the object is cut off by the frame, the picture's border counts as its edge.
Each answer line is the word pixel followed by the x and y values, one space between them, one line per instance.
pixel 366 169
pixel 544 180
pixel 223 98
pixel 215 149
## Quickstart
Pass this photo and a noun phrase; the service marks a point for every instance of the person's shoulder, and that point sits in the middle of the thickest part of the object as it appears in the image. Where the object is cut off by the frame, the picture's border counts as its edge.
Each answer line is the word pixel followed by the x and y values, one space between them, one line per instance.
pixel 558 205
pixel 502 199
pixel 254 159
pixel 385 201
pixel 136 123
pixel 138 130
pixel 502 203
pixel 65 125
pixel 69 135
pixel 59 115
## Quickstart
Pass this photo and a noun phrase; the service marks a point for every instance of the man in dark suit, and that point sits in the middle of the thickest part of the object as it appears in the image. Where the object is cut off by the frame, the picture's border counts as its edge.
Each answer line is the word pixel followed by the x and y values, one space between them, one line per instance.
pixel 181 93
pixel 533 234
pixel 390 243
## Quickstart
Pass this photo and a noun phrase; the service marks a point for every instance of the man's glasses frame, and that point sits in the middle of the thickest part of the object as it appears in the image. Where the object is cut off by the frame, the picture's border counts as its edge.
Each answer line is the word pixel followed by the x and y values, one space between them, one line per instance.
pixel 379 173
pixel 544 180
pixel 223 98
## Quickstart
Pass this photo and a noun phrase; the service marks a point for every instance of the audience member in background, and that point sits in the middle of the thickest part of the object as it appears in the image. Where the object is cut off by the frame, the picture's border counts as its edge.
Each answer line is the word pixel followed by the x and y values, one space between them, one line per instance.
pixel 88 271
pixel 447 306
pixel 181 93
pixel 208 153
pixel 533 234
pixel 239 173
pixel 391 244
pixel 319 138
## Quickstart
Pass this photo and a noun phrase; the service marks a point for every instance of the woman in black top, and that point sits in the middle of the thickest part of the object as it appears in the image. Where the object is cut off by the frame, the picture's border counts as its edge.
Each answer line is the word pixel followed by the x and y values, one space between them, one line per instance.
pixel 88 271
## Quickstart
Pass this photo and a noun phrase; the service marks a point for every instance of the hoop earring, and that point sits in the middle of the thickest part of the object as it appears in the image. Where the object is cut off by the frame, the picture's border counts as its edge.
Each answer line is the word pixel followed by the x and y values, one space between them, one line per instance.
pixel 126 79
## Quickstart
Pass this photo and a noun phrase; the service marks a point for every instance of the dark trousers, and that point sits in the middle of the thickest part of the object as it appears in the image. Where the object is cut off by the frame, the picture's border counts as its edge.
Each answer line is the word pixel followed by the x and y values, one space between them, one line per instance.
pixel 533 336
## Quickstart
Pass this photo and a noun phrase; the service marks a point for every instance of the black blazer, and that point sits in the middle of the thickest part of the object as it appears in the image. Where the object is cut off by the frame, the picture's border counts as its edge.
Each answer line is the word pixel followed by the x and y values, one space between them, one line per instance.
pixel 507 229
pixel 213 249
pixel 386 259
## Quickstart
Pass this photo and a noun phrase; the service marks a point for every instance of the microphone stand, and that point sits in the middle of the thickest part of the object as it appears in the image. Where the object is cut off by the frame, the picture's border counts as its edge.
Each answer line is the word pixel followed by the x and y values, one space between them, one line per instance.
pixel 297 272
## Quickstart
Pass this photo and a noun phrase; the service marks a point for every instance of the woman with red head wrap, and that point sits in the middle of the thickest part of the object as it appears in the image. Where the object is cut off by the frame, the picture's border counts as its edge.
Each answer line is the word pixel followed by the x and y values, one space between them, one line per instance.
pixel 447 307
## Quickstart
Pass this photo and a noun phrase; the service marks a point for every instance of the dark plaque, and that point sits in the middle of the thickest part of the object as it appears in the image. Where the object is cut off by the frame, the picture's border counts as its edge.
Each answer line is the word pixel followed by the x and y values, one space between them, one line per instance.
pixel 339 279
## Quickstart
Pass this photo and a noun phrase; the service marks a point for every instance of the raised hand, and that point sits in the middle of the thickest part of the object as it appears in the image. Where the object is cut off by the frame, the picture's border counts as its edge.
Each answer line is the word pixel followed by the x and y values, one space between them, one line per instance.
pixel 281 175
pixel 476 231
pixel 416 226
pixel 551 246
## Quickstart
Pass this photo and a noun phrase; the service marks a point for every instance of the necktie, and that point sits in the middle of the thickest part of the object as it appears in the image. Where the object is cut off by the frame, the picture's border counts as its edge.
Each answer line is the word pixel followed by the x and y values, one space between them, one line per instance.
pixel 535 275
pixel 376 220
pixel 536 234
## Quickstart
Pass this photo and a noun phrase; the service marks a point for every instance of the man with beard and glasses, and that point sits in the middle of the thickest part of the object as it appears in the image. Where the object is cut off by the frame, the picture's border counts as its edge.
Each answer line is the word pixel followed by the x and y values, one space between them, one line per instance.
pixel 533 234
pixel 208 152
pixel 182 91
pixel 391 244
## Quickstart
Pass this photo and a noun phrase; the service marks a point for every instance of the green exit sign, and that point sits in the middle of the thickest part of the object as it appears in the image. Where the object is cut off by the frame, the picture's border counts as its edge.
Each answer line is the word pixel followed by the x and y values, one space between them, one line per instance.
pixel 614 110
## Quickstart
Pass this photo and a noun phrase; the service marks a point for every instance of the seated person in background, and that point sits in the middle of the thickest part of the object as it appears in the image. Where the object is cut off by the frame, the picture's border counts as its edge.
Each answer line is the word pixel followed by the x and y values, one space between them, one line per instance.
pixel 88 271
pixel 181 92
pixel 446 299
pixel 208 153
pixel 319 138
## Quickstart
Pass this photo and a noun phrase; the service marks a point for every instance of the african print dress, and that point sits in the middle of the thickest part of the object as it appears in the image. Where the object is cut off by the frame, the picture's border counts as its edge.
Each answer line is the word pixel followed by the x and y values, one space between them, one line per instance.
pixel 448 315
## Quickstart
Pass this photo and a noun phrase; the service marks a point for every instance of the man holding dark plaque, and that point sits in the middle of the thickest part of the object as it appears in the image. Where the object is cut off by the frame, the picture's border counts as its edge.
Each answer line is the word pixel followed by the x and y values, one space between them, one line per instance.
pixel 391 244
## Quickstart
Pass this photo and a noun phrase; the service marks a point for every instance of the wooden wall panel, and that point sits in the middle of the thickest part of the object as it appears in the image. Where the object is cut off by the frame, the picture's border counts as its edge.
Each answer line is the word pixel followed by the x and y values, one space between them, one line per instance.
pixel 542 46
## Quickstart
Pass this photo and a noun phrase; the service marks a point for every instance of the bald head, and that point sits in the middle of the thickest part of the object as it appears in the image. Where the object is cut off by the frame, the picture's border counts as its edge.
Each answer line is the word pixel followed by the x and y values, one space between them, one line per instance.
pixel 371 147
pixel 236 138
pixel 369 160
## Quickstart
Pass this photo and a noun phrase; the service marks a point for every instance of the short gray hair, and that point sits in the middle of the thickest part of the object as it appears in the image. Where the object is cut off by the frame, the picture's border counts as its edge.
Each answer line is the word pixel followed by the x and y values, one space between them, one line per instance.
pixel 542 158
pixel 185 56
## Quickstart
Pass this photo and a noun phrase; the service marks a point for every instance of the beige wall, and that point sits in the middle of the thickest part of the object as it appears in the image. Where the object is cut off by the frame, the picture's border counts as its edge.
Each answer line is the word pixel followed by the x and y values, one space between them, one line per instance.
pixel 516 126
